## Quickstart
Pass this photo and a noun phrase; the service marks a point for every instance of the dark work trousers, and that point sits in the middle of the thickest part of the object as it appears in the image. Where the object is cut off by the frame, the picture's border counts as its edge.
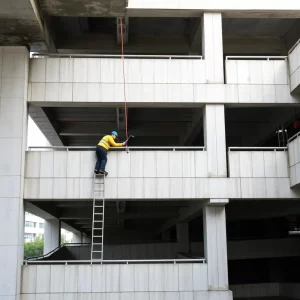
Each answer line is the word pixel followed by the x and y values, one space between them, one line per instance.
pixel 101 158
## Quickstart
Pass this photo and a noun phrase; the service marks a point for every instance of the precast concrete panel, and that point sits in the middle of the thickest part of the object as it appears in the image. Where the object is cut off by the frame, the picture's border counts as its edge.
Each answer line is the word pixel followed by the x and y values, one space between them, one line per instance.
pixel 257 72
pixel 66 69
pixel 52 70
pixel 93 70
pixel 80 70
pixel 185 272
pixel 57 279
pixel 43 279
pixel 71 278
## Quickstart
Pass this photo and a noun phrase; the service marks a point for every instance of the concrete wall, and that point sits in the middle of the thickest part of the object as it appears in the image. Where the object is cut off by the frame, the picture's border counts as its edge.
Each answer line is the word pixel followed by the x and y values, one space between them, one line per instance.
pixel 69 175
pixel 139 281
pixel 101 79
pixel 13 129
pixel 259 81
pixel 294 70
pixel 75 80
pixel 294 161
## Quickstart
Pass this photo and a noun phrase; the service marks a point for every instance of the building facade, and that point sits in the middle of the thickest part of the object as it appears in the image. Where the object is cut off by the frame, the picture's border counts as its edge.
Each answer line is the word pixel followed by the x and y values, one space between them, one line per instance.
pixel 202 204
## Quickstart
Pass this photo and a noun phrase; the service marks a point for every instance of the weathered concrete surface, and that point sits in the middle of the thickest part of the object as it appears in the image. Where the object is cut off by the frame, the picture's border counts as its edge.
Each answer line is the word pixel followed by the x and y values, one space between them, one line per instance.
pixel 83 8
pixel 19 24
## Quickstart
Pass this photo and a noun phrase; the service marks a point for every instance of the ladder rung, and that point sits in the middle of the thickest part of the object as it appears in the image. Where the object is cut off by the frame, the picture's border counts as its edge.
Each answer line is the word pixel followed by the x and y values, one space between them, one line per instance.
pixel 96 251
pixel 97 243
pixel 98 213
pixel 98 221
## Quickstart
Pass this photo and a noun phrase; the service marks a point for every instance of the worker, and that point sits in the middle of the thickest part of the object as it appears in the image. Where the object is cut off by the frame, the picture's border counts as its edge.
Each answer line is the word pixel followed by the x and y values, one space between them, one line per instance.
pixel 101 151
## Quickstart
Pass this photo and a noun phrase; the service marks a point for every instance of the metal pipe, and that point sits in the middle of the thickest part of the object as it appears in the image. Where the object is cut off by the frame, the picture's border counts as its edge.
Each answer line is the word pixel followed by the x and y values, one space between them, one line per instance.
pixel 119 148
pixel 202 260
pixel 296 44
pixel 257 148
pixel 257 57
pixel 293 137
pixel 117 56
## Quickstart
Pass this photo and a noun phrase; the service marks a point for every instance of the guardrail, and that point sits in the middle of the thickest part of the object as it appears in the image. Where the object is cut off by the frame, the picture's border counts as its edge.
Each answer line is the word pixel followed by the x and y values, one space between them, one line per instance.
pixel 87 148
pixel 296 44
pixel 56 249
pixel 293 137
pixel 257 57
pixel 99 261
pixel 42 55
pixel 257 148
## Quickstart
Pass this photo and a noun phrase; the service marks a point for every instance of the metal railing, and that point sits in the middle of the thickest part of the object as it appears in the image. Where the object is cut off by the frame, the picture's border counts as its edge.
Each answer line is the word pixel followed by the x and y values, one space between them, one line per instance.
pixel 42 55
pixel 292 49
pixel 56 249
pixel 99 261
pixel 88 148
pixel 256 57
pixel 257 148
pixel 293 137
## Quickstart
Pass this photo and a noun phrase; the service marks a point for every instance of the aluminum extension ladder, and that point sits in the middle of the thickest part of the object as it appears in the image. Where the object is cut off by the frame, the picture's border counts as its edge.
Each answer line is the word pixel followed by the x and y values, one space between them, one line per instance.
pixel 98 217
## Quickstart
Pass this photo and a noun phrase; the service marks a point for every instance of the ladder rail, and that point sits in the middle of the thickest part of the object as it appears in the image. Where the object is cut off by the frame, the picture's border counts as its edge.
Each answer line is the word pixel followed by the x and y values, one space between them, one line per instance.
pixel 98 198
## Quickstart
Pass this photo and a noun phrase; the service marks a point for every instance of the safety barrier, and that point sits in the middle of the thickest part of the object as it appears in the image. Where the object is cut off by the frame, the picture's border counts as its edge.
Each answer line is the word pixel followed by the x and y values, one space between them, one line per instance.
pixel 95 261
pixel 88 148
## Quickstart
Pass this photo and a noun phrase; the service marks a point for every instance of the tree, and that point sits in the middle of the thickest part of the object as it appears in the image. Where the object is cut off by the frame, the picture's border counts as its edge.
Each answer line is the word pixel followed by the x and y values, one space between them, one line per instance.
pixel 34 248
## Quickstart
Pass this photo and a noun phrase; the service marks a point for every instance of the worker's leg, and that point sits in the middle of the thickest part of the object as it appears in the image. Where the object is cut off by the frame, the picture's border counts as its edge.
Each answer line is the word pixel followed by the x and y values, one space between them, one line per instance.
pixel 98 162
pixel 103 156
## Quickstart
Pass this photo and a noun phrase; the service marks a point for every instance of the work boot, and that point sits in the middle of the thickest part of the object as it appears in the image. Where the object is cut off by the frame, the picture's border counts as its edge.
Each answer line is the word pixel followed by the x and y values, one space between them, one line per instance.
pixel 96 172
pixel 103 172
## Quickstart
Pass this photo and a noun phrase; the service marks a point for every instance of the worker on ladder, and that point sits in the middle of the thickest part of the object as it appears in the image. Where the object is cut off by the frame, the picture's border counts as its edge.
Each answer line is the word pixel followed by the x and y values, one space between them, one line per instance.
pixel 101 151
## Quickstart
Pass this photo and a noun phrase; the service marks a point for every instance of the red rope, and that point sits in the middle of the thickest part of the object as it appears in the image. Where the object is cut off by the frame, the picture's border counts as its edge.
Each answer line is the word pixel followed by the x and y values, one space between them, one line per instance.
pixel 124 79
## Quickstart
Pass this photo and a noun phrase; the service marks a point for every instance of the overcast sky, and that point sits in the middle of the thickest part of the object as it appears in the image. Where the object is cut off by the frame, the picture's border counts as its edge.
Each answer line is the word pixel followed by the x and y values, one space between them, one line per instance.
pixel 35 137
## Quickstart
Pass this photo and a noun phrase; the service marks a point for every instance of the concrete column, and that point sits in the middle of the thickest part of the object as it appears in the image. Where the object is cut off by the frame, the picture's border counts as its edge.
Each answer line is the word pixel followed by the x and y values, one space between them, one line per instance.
pixel 215 140
pixel 13 136
pixel 212 46
pixel 215 245
pixel 51 235
pixel 182 230
pixel 77 238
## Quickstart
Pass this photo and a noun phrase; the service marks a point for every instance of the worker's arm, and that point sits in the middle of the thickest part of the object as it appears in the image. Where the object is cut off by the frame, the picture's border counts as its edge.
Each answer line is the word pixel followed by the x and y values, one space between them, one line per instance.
pixel 113 143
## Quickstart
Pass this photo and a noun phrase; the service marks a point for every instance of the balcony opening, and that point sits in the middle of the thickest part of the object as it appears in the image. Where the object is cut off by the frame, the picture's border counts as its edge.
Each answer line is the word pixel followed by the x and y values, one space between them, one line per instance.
pixel 259 36
pixel 162 126
pixel 258 126
pixel 133 230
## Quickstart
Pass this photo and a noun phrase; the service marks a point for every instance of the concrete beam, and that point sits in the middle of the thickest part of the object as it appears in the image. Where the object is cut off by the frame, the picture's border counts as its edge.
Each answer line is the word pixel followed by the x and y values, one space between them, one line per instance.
pixel 111 214
pixel 184 215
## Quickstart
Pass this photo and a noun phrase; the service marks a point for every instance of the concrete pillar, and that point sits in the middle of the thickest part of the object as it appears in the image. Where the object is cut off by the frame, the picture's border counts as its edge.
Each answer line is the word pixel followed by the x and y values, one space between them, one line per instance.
pixel 183 239
pixel 215 140
pixel 51 235
pixel 212 46
pixel 215 245
pixel 13 136
pixel 77 238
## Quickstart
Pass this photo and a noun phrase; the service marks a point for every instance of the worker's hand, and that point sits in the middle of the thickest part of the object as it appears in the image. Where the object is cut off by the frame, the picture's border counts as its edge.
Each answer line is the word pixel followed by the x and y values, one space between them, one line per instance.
pixel 124 144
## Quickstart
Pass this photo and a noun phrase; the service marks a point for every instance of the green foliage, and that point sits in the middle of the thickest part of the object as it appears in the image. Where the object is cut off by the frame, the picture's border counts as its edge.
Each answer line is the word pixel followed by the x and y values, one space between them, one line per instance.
pixel 34 248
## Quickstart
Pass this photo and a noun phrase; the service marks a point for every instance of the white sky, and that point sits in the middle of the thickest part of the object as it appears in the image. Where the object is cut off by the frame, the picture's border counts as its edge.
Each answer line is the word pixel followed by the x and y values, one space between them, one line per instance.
pixel 34 136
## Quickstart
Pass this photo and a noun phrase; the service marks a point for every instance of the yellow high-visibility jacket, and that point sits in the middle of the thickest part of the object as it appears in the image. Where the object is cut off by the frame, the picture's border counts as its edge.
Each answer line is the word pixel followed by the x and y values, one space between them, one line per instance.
pixel 107 142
